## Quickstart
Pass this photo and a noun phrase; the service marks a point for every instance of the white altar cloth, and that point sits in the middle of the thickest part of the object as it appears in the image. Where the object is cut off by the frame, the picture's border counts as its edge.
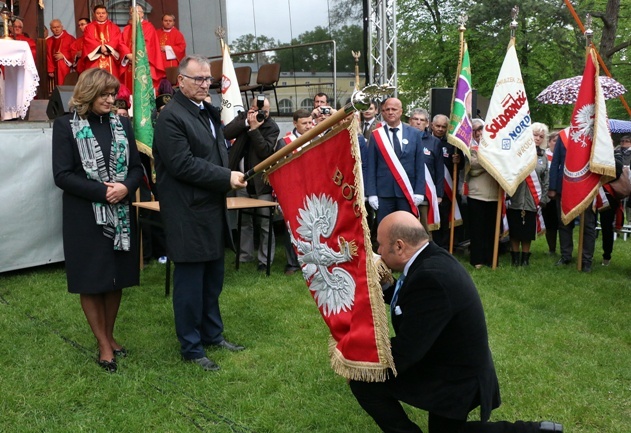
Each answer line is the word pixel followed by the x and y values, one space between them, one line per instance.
pixel 20 78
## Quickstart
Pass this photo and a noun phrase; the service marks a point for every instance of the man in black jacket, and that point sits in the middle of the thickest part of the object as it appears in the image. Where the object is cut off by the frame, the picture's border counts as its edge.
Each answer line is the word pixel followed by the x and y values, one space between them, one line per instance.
pixel 255 139
pixel 441 350
pixel 193 179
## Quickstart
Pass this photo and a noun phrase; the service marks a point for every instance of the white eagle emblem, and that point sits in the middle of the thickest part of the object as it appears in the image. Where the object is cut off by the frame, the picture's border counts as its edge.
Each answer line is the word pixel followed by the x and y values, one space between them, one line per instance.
pixel 334 289
pixel 584 129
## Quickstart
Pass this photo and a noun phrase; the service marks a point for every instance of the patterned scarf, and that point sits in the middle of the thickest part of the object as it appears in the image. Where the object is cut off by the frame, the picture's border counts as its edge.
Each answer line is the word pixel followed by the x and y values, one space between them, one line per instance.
pixel 113 217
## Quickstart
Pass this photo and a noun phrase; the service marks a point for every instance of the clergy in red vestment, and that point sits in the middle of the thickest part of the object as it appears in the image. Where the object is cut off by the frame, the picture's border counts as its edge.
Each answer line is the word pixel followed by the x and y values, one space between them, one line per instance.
pixel 102 45
pixel 18 35
pixel 78 60
pixel 59 54
pixel 172 42
pixel 152 45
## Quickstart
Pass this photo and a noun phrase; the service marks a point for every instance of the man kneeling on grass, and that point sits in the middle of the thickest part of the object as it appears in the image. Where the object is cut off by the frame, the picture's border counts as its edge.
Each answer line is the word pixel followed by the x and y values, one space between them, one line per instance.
pixel 441 350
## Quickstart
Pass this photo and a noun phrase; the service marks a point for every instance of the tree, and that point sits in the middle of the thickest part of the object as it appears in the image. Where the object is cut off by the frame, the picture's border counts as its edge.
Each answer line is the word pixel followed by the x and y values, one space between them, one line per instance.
pixel 249 42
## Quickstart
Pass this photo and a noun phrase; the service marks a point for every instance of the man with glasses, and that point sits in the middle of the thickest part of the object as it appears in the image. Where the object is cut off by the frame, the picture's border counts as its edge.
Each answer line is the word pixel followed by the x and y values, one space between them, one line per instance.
pixel 193 180
pixel 255 134
pixel 419 118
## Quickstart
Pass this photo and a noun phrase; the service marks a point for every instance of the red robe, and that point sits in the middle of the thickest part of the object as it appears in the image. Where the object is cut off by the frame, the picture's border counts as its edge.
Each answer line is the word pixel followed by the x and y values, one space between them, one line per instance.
pixel 109 33
pixel 31 43
pixel 62 44
pixel 77 54
pixel 153 54
pixel 175 39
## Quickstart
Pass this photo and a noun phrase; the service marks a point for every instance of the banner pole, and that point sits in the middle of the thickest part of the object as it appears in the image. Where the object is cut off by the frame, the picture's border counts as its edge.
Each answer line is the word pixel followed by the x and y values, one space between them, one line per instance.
pixel 359 101
pixel 498 221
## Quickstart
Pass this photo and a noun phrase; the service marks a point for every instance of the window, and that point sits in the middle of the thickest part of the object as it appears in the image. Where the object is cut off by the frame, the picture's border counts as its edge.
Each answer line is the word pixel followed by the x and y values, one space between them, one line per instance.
pixel 285 106
pixel 307 104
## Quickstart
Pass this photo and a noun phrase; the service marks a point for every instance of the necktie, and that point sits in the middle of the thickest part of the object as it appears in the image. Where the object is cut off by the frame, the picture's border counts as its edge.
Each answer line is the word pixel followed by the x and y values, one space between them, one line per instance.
pixel 395 295
pixel 395 142
pixel 366 127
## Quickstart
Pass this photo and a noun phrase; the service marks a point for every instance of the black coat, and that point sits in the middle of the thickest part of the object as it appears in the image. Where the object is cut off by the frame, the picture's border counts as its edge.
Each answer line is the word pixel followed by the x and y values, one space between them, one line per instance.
pixel 193 178
pixel 254 145
pixel 441 350
pixel 92 265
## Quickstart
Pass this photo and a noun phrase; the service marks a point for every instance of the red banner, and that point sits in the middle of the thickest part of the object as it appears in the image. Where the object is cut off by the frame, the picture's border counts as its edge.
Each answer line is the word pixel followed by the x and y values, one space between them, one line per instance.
pixel 322 200
pixel 589 150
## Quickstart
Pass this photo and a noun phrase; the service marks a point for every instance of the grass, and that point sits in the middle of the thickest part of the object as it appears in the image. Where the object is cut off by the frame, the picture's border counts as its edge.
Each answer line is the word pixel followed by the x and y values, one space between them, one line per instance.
pixel 561 342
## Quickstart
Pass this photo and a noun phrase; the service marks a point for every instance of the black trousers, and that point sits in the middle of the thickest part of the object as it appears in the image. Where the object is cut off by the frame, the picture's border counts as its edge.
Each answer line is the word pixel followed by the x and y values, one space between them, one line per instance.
pixel 379 400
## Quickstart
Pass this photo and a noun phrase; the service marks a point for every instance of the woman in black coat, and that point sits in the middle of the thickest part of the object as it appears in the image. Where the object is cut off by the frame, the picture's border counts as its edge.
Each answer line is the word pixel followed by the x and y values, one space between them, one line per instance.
pixel 96 164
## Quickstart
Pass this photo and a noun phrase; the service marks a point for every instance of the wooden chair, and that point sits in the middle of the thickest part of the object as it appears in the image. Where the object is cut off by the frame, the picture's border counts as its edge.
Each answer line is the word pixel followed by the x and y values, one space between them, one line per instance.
pixel 266 79
pixel 243 74
pixel 216 70
pixel 172 74
pixel 71 78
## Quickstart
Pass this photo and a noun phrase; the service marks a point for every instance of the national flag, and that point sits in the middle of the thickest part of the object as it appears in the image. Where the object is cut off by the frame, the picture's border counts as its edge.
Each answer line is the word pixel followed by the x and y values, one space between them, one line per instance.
pixel 507 149
pixel 448 184
pixel 320 193
pixel 460 127
pixel 231 102
pixel 144 102
pixel 589 159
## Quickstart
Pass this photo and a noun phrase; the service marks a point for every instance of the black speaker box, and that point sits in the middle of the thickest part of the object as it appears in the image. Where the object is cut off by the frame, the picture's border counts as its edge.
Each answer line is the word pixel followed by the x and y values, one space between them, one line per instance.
pixel 440 101
pixel 58 103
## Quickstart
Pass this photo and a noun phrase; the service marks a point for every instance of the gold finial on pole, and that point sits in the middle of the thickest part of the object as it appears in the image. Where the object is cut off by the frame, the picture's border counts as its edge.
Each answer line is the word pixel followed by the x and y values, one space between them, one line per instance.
pixel 6 16
pixel 220 33
pixel 462 20
pixel 356 56
pixel 589 33
pixel 513 25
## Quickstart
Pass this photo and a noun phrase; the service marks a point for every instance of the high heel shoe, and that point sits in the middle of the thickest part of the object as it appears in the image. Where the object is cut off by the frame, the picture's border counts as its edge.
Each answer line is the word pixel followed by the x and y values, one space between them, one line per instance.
pixel 109 366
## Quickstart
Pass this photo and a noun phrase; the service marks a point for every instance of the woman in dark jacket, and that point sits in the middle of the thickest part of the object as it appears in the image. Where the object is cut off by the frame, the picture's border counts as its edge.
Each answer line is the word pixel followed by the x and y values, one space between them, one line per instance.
pixel 96 164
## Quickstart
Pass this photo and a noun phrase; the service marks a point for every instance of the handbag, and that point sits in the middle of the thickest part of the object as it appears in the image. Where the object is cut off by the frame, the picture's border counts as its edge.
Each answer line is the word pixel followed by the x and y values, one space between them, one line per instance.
pixel 622 185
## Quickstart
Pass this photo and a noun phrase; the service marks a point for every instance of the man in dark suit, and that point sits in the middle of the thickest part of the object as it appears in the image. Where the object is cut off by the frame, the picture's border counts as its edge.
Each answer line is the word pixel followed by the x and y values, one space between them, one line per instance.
pixel 441 350
pixel 193 179
pixel 369 120
pixel 255 140
pixel 386 194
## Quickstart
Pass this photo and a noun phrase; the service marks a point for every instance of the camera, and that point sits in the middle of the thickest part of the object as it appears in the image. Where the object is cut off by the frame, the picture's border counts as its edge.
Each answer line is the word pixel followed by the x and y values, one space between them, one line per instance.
pixel 325 110
pixel 260 103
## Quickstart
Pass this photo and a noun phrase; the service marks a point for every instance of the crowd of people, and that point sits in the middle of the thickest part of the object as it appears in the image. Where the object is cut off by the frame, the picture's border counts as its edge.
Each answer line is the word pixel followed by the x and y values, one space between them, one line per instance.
pixel 103 45
pixel 410 170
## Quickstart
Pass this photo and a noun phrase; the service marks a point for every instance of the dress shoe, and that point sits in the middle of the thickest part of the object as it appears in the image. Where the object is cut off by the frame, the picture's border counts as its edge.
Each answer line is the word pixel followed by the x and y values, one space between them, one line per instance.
pixel 109 366
pixel 120 353
pixel 586 268
pixel 224 344
pixel 549 426
pixel 262 267
pixel 606 262
pixel 205 363
pixel 563 261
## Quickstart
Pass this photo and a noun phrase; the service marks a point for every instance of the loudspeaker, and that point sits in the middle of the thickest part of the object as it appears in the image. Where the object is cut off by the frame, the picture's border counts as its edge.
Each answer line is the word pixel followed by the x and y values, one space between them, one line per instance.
pixel 58 103
pixel 440 101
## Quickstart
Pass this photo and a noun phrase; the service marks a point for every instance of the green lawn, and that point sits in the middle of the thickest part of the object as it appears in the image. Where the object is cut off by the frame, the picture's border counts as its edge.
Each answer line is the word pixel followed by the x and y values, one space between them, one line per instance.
pixel 561 342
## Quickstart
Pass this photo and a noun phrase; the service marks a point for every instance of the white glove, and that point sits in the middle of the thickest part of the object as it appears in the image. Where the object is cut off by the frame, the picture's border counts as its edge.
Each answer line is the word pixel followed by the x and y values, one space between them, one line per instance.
pixel 418 199
pixel 373 201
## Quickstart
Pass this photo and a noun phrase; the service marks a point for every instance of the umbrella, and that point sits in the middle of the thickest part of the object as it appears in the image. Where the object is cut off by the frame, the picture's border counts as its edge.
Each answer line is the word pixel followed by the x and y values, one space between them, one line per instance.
pixel 619 126
pixel 566 91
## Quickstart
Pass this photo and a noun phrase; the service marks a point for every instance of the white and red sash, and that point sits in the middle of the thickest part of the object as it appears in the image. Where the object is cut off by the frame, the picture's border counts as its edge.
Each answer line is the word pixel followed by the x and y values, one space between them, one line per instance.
pixel 534 187
pixel 433 215
pixel 457 218
pixel 398 172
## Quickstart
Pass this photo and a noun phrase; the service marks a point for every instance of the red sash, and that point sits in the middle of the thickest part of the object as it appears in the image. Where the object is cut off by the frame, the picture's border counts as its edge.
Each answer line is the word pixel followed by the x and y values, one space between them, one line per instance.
pixel 393 163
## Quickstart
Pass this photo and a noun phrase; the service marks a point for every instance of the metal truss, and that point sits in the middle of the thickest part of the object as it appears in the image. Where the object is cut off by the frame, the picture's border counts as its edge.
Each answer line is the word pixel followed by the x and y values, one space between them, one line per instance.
pixel 382 43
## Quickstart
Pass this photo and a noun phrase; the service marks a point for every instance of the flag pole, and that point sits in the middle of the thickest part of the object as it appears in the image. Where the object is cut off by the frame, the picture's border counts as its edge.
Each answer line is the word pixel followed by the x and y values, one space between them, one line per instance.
pixel 360 100
pixel 498 222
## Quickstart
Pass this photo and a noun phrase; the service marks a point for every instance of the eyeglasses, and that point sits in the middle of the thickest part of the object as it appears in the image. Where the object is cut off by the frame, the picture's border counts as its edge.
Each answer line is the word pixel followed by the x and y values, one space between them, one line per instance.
pixel 199 80
pixel 107 95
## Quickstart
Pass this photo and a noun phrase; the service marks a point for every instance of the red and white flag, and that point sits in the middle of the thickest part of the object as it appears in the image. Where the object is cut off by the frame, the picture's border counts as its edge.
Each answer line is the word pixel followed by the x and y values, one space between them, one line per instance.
pixel 433 213
pixel 507 149
pixel 589 160
pixel 321 196
pixel 231 102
